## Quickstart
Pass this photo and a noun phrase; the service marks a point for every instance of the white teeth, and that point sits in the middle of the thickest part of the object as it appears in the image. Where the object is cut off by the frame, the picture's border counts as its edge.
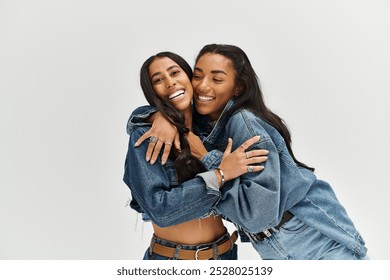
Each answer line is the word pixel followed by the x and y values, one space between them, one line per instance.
pixel 176 94
pixel 205 98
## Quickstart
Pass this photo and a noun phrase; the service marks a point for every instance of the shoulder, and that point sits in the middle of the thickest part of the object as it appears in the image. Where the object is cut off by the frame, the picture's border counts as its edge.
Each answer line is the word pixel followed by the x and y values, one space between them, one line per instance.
pixel 133 126
pixel 244 115
pixel 245 120
pixel 135 132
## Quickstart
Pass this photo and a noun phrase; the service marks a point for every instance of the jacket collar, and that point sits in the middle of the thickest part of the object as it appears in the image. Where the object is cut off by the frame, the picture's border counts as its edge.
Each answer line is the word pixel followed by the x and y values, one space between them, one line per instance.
pixel 203 126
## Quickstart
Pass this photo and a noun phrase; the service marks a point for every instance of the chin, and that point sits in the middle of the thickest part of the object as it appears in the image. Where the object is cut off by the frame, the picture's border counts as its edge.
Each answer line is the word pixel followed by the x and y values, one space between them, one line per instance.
pixel 202 111
pixel 183 107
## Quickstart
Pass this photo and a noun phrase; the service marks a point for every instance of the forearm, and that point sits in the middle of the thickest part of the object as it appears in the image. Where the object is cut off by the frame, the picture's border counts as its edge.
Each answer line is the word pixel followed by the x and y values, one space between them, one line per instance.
pixel 164 201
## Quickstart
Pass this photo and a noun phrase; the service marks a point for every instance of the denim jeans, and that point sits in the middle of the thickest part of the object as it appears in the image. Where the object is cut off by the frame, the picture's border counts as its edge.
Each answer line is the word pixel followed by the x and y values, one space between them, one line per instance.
pixel 229 255
pixel 298 241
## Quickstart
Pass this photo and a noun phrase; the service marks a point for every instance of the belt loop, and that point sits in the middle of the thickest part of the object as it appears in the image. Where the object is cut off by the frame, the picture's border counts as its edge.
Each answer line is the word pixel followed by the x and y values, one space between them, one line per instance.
pixel 151 246
pixel 177 252
pixel 274 229
pixel 231 241
pixel 215 251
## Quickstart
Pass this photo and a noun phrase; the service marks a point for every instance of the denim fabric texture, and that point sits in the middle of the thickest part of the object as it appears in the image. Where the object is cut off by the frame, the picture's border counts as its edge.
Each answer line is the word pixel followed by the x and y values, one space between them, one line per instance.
pixel 256 201
pixel 296 240
pixel 156 192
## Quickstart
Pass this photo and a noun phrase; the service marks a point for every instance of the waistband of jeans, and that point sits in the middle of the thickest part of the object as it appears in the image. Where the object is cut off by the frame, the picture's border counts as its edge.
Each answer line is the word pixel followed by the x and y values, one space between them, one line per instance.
pixel 168 243
pixel 260 236
pixel 193 252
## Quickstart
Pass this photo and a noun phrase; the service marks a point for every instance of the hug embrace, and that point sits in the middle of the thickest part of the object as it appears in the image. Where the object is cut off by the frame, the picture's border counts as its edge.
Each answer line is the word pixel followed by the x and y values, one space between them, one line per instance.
pixel 225 157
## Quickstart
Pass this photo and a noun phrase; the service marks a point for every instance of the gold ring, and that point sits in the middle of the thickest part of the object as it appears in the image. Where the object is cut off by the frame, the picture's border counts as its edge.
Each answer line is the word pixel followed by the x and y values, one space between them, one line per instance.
pixel 167 143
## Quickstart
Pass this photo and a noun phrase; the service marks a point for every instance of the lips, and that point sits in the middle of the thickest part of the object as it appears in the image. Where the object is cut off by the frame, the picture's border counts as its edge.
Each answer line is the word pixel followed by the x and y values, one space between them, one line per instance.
pixel 176 94
pixel 204 98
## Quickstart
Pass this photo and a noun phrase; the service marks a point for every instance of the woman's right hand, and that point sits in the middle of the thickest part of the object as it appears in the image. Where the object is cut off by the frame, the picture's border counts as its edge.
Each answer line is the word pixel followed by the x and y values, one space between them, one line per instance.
pixel 239 162
pixel 161 133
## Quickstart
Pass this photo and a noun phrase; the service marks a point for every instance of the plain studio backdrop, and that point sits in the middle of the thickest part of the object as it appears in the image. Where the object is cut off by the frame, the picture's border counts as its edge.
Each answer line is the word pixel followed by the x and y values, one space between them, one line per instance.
pixel 69 79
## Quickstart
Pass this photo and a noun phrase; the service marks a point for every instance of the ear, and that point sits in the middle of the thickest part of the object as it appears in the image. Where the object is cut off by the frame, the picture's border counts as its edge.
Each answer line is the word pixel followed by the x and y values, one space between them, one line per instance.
pixel 238 91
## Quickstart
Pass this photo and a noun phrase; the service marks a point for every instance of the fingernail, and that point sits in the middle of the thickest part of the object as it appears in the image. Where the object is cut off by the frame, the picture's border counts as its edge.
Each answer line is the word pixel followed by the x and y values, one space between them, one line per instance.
pixel 163 162
pixel 266 152
pixel 136 144
pixel 147 158
pixel 258 137
pixel 152 162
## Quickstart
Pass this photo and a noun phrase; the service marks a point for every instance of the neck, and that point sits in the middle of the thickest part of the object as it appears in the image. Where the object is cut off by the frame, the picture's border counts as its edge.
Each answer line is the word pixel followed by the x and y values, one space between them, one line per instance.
pixel 188 118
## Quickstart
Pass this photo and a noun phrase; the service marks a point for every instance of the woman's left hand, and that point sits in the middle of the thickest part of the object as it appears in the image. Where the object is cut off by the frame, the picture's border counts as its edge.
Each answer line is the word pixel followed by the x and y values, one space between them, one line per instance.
pixel 239 162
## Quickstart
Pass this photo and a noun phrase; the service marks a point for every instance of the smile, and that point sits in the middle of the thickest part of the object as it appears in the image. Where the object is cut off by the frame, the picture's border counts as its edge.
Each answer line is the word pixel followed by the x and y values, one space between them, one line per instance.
pixel 205 98
pixel 176 94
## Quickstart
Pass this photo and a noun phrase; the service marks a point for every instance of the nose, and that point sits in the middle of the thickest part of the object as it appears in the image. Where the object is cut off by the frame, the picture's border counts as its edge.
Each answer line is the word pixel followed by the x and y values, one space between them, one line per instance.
pixel 203 86
pixel 169 82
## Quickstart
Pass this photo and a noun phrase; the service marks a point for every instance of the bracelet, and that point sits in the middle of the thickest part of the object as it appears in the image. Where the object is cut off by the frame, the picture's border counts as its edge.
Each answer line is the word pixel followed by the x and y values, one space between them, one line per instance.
pixel 222 176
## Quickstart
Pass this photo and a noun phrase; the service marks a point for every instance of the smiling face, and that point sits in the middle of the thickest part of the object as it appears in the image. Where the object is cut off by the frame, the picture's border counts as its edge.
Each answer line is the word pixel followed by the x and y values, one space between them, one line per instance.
pixel 214 84
pixel 171 83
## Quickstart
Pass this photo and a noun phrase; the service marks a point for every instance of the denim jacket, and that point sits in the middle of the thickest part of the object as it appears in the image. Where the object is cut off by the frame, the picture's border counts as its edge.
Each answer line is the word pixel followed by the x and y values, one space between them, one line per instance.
pixel 256 201
pixel 156 192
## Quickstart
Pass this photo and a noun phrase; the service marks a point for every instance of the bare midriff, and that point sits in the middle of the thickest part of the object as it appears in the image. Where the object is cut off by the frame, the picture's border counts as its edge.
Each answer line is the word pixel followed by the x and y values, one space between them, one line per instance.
pixel 193 232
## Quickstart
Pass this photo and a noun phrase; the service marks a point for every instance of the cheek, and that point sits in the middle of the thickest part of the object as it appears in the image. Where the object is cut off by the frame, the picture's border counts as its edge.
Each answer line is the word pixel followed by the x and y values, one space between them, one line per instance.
pixel 194 85
pixel 159 90
pixel 225 94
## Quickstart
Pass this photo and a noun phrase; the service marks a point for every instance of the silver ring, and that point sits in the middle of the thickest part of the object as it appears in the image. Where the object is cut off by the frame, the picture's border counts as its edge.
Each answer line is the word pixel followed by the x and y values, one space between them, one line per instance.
pixel 246 155
pixel 250 168
pixel 153 139
pixel 167 143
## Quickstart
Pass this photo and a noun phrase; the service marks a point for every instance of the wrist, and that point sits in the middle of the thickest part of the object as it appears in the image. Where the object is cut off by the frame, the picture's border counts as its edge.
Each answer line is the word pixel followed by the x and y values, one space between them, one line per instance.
pixel 153 116
pixel 221 176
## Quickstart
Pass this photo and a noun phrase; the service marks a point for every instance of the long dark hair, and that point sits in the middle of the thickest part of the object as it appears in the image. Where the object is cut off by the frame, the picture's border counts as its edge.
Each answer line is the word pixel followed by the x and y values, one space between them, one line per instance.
pixel 251 96
pixel 186 165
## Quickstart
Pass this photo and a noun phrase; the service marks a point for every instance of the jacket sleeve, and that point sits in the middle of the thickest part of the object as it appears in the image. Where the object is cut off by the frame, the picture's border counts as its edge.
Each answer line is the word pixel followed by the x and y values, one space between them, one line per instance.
pixel 151 186
pixel 212 159
pixel 138 117
pixel 253 200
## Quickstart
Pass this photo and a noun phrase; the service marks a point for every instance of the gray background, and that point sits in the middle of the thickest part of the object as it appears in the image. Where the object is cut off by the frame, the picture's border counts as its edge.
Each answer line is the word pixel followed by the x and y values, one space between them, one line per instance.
pixel 69 80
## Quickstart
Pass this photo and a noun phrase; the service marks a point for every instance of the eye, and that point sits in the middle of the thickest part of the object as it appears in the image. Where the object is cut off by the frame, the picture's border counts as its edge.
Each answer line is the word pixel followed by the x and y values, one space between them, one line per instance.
pixel 197 77
pixel 175 73
pixel 217 80
pixel 157 81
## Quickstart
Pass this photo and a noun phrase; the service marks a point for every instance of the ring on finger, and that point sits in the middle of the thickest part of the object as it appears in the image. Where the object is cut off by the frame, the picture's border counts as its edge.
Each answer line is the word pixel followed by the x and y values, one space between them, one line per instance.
pixel 242 147
pixel 167 143
pixel 153 139
pixel 246 155
pixel 250 168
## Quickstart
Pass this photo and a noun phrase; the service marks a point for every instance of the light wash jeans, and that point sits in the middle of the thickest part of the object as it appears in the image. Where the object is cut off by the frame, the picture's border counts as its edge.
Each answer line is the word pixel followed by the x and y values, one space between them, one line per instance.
pixel 229 255
pixel 298 241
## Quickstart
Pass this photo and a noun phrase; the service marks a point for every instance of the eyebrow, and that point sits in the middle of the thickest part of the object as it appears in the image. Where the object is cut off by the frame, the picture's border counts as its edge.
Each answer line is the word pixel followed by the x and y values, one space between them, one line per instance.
pixel 212 71
pixel 168 69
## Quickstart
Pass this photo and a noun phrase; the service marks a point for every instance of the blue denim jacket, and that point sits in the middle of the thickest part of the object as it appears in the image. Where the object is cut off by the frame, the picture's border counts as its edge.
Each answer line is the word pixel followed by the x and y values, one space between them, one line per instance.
pixel 256 201
pixel 156 192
